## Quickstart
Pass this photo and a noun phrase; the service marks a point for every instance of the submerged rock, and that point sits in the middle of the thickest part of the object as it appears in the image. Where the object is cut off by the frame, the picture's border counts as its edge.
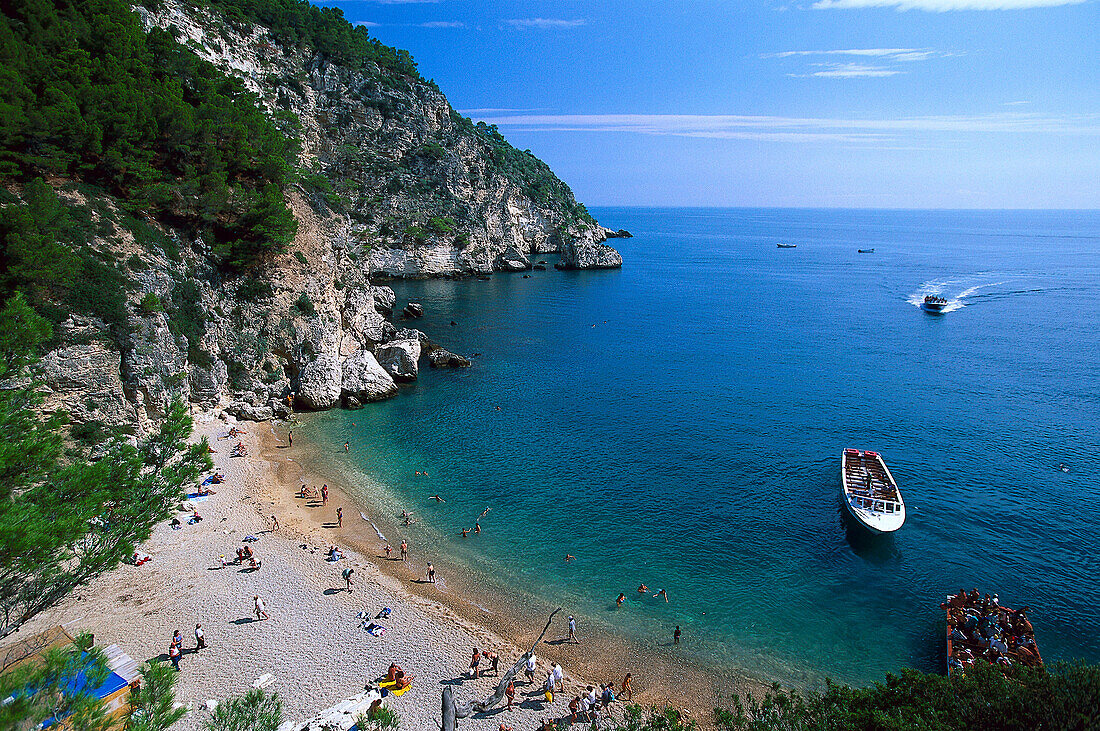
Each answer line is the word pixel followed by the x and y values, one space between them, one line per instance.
pixel 412 311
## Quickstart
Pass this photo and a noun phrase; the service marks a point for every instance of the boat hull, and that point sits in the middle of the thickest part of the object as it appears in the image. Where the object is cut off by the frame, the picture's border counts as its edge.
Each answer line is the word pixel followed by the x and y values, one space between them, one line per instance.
pixel 934 308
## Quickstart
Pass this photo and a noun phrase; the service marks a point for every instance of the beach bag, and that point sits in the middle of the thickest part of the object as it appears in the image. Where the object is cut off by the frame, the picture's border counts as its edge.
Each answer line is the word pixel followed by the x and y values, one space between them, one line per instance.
pixel 549 697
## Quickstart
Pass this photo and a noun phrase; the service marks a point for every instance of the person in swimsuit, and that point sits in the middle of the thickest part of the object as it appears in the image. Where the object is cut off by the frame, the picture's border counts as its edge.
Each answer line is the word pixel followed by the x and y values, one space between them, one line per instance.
pixel 661 593
pixel 620 600
pixel 569 558
pixel 643 589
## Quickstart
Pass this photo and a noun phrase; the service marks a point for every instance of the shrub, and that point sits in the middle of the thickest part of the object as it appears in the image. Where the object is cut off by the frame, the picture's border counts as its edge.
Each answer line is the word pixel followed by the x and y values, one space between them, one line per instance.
pixel 254 288
pixel 305 305
pixel 150 303
pixel 301 258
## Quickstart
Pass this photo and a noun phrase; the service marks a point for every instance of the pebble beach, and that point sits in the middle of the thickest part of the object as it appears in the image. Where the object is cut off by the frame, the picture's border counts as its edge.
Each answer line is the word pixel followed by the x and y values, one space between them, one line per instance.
pixel 313 644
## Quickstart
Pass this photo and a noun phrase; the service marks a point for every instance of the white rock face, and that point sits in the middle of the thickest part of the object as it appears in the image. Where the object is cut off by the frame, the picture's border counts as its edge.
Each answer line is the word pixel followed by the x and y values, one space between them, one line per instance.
pixel 365 379
pixel 585 251
pixel 320 382
pixel 401 358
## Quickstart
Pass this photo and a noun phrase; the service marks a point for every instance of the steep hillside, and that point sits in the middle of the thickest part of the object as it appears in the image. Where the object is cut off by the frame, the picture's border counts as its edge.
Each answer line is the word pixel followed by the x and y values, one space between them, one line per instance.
pixel 204 206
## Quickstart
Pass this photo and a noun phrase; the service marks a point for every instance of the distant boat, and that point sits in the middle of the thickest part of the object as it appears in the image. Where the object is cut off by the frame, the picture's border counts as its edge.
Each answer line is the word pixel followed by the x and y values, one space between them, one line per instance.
pixel 866 251
pixel 869 492
pixel 787 246
pixel 933 304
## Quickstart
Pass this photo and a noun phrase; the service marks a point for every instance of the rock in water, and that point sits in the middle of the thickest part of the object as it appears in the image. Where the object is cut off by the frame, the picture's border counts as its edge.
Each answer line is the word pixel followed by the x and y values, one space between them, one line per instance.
pixel 400 358
pixel 413 310
pixel 442 358
pixel 365 380
pixel 587 252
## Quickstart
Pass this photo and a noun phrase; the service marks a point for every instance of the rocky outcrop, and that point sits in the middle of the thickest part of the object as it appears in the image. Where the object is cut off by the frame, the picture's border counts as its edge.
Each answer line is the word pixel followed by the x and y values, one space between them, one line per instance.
pixel 442 358
pixel 365 380
pixel 587 252
pixel 400 358
pixel 412 311
pixel 320 383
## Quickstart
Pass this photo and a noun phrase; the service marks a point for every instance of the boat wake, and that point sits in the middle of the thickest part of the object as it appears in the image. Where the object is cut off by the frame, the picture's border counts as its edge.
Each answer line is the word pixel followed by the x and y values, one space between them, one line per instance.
pixel 944 287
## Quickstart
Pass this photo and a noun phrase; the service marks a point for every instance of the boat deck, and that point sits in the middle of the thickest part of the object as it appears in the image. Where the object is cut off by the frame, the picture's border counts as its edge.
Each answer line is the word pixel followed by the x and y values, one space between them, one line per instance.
pixel 865 476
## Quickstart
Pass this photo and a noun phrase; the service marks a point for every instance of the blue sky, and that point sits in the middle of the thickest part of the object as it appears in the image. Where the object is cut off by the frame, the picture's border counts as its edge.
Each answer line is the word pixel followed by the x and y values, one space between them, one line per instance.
pixel 834 103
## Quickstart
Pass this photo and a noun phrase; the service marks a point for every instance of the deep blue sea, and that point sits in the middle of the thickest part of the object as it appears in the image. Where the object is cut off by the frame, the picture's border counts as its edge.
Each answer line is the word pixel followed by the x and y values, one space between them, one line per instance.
pixel 679 423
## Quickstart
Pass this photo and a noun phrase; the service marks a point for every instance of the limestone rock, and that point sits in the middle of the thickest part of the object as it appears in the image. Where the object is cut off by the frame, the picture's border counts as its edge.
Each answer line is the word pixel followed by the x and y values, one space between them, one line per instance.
pixel 365 380
pixel 412 311
pixel 400 358
pixel 585 250
pixel 319 383
pixel 248 412
pixel 442 358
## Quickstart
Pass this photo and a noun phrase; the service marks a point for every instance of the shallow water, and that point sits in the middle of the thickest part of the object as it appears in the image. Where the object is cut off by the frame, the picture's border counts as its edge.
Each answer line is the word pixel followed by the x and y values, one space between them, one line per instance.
pixel 679 423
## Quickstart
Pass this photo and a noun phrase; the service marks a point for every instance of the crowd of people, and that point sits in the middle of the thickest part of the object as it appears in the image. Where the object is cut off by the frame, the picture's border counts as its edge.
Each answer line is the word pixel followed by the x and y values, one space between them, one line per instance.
pixel 979 628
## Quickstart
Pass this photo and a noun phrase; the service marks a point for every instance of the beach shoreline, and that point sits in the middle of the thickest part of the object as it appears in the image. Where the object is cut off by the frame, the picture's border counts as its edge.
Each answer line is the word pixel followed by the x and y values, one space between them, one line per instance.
pixel 314 645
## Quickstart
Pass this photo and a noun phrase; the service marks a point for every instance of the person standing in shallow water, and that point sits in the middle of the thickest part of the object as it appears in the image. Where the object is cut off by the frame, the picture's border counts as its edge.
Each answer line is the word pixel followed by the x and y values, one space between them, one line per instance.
pixel 676 636
pixel 404 551
pixel 572 629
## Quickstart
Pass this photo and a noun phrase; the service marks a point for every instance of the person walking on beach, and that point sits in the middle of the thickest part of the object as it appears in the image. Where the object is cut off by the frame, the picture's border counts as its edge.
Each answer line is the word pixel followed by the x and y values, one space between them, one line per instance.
pixel 431 573
pixel 404 550
pixel 324 494
pixel 572 629
pixel 261 610
pixel 388 549
pixel 529 669
pixel 339 517
pixel 174 653
pixel 676 636
pixel 290 438
pixel 346 573
pixel 177 639
pixel 510 693
pixel 475 662
pixel 559 676
pixel 274 523
pixel 548 686
pixel 627 692
pixel 200 638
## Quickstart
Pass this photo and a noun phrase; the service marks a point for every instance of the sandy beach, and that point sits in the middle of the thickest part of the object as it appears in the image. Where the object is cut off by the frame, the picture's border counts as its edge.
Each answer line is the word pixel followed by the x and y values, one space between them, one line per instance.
pixel 313 643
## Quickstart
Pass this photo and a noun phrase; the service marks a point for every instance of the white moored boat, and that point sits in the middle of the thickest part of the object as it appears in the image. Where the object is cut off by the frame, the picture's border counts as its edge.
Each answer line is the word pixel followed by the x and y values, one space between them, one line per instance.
pixel 869 492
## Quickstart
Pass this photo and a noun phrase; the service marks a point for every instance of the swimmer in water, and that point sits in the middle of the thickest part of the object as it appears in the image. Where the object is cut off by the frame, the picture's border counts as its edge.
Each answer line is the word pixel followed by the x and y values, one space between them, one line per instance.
pixel 661 593
pixel 477 527
pixel 465 532
pixel 643 589
pixel 346 448
pixel 1063 467
pixel 620 600
pixel 438 499
pixel 569 557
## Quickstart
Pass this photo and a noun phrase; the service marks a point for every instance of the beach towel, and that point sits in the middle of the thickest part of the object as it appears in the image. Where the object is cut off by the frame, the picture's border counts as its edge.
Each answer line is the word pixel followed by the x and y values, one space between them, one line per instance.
pixel 375 630
pixel 390 685
pixel 197 498
pixel 250 539
pixel 384 614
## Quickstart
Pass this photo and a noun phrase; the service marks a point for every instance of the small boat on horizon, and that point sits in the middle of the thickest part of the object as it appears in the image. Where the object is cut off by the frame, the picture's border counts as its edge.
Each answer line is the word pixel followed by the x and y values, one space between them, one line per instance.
pixel 933 303
pixel 869 492
pixel 866 251
pixel 787 246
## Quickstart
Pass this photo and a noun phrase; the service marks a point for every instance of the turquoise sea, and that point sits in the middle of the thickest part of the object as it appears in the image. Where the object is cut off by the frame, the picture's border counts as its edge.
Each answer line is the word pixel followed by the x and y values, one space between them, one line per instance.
pixel 679 423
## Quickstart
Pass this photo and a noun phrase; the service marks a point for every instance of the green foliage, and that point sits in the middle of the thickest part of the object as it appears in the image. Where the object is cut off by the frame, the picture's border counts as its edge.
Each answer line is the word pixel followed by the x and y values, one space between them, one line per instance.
pixel 254 711
pixel 188 318
pixel 297 23
pixel 254 288
pixel 986 697
pixel 305 305
pixel 432 151
pixel 37 691
pixel 86 93
pixel 152 704
pixel 301 258
pixel 383 719
pixel 136 264
pixel 63 523
pixel 150 303
pixel 442 225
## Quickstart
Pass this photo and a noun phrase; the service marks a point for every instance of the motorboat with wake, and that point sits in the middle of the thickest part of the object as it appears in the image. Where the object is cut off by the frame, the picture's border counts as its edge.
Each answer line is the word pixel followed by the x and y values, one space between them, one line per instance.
pixel 933 303
pixel 869 492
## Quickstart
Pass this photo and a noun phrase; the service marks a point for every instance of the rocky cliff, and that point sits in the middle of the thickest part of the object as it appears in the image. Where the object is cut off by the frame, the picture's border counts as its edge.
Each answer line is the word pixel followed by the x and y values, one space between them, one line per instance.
pixel 394 183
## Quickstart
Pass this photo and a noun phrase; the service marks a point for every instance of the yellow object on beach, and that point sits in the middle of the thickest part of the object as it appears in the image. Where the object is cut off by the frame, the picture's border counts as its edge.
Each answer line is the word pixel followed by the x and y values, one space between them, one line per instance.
pixel 390 685
pixel 549 697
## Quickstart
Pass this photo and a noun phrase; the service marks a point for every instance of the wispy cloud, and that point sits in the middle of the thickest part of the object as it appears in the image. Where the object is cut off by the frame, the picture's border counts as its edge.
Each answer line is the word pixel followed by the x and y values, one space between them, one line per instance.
pixel 366 23
pixel 849 71
pixel 558 23
pixel 443 24
pixel 801 129
pixel 886 61
pixel 942 6
pixel 890 54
